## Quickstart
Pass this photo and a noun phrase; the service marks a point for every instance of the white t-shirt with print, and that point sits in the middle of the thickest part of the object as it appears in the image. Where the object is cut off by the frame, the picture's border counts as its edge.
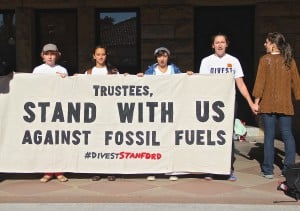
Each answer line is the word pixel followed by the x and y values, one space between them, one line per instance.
pixel 221 65
pixel 46 69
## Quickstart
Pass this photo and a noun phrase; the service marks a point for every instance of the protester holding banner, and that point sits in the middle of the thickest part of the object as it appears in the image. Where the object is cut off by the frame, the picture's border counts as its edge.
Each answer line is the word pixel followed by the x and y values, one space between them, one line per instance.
pixel 102 67
pixel 163 66
pixel 50 55
pixel 277 76
pixel 221 62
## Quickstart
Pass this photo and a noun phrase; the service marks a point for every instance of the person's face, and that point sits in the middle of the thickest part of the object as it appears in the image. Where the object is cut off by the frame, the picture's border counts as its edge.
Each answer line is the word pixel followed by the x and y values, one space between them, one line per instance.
pixel 220 45
pixel 268 45
pixel 162 60
pixel 100 56
pixel 49 57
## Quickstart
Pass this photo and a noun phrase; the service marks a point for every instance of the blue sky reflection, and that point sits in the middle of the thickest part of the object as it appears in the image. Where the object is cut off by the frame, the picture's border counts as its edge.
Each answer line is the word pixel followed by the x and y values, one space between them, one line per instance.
pixel 118 16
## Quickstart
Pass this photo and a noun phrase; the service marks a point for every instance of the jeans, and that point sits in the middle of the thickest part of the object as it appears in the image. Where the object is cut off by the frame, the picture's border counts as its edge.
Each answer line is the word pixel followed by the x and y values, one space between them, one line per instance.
pixel 285 126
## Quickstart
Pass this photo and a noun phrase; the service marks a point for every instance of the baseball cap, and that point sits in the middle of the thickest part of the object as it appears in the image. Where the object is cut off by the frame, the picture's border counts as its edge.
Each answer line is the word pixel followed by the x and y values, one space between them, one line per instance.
pixel 50 47
pixel 162 49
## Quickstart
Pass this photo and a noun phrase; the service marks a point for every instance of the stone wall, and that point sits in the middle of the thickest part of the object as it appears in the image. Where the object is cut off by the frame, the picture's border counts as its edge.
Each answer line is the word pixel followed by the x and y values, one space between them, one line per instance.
pixel 171 27
pixel 282 17
pixel 162 22
pixel 285 18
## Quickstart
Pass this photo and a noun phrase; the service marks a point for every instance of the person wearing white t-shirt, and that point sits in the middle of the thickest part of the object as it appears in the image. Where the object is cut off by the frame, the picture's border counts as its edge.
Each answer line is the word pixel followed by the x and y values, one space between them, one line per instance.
pixel 49 69
pixel 50 55
pixel 102 66
pixel 221 62
pixel 98 71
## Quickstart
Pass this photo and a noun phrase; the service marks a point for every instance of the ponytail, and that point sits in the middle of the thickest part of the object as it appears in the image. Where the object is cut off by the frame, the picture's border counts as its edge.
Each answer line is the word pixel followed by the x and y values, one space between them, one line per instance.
pixel 287 54
pixel 283 46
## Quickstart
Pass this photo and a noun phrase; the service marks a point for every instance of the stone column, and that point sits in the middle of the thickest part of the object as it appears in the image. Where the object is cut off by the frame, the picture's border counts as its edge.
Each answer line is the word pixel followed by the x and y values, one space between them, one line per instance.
pixel 86 37
pixel 24 39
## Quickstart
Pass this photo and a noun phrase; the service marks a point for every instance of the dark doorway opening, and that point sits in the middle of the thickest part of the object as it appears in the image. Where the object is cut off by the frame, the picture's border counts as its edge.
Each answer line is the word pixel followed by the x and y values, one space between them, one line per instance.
pixel 58 27
pixel 237 22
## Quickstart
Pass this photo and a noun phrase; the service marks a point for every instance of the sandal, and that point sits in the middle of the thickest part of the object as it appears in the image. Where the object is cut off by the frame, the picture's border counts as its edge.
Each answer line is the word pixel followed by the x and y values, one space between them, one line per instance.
pixel 96 178
pixel 45 178
pixel 62 178
pixel 111 178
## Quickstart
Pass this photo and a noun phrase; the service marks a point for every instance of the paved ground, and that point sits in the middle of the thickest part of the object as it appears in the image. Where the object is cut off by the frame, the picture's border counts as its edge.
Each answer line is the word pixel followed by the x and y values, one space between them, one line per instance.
pixel 131 192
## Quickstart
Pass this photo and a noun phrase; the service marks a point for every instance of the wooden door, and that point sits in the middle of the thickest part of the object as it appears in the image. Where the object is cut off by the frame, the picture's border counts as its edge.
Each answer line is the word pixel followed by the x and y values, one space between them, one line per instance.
pixel 58 27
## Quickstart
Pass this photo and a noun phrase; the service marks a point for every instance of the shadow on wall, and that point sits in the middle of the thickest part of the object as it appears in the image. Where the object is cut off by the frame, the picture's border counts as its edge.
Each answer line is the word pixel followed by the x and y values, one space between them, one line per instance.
pixel 4 82
pixel 4 67
pixel 6 74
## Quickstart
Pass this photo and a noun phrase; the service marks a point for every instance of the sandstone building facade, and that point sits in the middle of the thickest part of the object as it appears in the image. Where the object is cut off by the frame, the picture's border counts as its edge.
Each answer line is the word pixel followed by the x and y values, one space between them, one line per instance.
pixel 184 26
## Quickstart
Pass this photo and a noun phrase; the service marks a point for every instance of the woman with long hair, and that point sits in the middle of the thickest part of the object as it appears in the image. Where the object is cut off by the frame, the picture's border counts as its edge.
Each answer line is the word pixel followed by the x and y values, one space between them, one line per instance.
pixel 277 76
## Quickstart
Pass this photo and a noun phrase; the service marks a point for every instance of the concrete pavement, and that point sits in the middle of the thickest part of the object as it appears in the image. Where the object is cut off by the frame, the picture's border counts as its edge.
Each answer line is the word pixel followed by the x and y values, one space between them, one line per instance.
pixel 132 192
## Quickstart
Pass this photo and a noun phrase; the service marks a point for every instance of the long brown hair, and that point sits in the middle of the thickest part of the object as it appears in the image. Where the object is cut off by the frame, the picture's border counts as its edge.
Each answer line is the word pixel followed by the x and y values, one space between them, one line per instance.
pixel 111 69
pixel 283 46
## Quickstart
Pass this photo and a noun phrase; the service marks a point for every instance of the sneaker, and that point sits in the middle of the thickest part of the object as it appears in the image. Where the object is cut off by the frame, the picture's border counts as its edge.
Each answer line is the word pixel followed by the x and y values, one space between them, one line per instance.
pixel 111 178
pixel 267 176
pixel 151 178
pixel 208 177
pixel 282 186
pixel 232 177
pixel 173 178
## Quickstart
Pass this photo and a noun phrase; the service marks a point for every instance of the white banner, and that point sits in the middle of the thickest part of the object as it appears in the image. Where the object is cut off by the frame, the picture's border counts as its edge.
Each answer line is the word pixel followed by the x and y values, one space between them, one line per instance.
pixel 116 124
